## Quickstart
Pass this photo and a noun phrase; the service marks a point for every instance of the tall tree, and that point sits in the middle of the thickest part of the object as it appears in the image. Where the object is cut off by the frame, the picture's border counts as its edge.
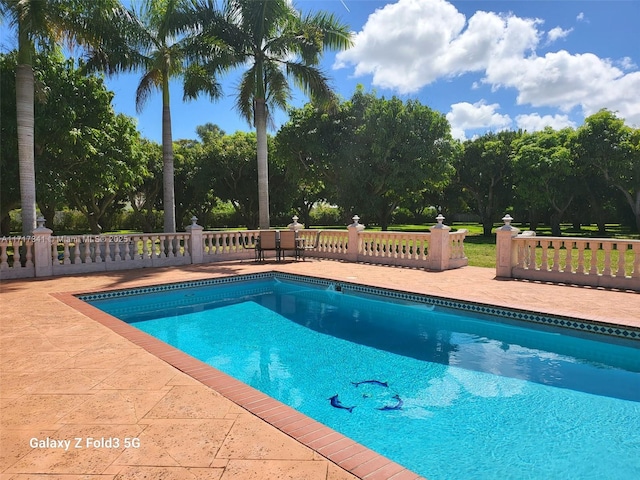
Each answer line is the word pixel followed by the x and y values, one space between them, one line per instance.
pixel 154 38
pixel 607 145
pixel 545 172
pixel 484 171
pixel 99 188
pixel 404 151
pixel 370 155
pixel 40 23
pixel 278 43
pixel 9 176
pixel 302 144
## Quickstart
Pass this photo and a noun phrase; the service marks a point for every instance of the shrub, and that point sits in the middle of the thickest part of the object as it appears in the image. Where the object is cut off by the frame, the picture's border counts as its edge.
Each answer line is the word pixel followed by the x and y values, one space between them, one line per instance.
pixel 70 221
pixel 327 215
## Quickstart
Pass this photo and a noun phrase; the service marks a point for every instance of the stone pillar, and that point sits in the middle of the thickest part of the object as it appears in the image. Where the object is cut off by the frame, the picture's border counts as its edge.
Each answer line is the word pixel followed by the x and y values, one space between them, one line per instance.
pixel 439 246
pixel 353 241
pixel 42 250
pixel 195 241
pixel 506 256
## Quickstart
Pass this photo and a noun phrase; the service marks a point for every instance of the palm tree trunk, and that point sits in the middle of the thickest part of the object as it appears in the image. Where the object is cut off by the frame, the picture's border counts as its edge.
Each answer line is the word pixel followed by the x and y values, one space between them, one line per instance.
pixel 25 118
pixel 263 165
pixel 168 199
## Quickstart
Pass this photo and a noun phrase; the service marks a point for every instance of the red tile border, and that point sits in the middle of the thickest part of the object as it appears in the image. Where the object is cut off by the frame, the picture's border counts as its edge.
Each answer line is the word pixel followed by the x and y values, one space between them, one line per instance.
pixel 368 468
pixel 335 447
pixel 358 459
pixel 347 452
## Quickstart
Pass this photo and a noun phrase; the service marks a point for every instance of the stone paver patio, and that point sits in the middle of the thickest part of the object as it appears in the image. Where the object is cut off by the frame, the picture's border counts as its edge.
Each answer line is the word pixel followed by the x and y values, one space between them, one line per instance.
pixel 67 375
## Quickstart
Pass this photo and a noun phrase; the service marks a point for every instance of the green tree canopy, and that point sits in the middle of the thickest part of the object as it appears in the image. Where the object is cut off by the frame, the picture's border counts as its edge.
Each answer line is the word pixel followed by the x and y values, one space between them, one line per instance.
pixel 545 172
pixel 485 173
pixel 86 156
pixel 606 144
pixel 370 155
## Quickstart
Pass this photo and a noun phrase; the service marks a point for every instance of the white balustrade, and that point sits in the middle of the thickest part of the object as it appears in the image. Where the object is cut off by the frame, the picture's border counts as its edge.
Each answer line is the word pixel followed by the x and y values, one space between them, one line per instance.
pixel 333 244
pixel 394 248
pixel 61 255
pixel 16 257
pixel 457 257
pixel 600 262
pixel 229 245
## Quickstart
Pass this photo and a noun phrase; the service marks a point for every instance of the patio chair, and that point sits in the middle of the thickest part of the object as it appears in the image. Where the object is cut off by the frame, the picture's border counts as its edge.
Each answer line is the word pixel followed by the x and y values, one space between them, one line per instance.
pixel 267 241
pixel 289 242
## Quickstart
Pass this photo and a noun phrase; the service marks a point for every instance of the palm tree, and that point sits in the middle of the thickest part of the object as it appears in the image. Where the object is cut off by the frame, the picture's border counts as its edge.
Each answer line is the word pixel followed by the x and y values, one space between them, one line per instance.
pixel 152 39
pixel 45 24
pixel 277 43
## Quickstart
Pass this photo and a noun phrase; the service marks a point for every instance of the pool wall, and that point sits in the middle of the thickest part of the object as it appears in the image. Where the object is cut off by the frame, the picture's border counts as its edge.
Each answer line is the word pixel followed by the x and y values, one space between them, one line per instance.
pixel 593 327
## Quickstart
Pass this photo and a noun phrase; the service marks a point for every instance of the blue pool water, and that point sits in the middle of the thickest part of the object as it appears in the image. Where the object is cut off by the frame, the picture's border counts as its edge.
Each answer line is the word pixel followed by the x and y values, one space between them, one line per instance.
pixel 466 397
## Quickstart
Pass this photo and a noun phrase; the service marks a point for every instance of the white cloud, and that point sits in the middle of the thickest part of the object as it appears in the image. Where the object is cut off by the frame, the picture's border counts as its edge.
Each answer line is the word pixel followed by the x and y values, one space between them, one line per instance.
pixel 534 122
pixel 581 17
pixel 466 116
pixel 557 33
pixel 401 52
pixel 627 63
pixel 412 43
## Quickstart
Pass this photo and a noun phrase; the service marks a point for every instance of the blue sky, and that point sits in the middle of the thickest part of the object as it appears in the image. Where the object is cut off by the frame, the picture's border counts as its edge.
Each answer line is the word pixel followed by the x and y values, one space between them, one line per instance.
pixel 486 65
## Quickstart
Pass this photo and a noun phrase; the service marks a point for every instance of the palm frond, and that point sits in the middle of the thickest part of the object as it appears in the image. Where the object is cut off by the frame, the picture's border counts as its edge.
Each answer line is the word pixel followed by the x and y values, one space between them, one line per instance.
pixel 311 80
pixel 278 90
pixel 246 95
pixel 335 34
pixel 151 80
pixel 201 79
pixel 261 19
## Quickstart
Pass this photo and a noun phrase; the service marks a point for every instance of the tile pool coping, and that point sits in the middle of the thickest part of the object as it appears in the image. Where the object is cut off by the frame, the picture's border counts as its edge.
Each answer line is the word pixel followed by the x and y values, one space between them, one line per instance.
pixel 334 446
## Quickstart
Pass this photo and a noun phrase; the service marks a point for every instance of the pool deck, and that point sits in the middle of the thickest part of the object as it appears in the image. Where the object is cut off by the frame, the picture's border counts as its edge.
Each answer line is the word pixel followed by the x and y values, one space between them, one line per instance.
pixel 72 373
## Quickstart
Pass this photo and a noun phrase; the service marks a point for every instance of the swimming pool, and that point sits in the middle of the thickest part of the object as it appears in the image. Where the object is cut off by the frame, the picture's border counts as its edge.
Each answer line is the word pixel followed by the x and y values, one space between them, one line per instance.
pixel 476 398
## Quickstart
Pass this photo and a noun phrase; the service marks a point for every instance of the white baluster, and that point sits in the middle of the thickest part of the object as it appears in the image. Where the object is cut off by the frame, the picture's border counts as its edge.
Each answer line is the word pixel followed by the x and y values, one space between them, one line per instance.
pixel 117 250
pixel 87 250
pixel 146 255
pixel 636 261
pixel 530 254
pixel 594 247
pixel 556 244
pixel 16 254
pixel 160 245
pixel 127 244
pixel 76 252
pixel 174 246
pixel 622 250
pixel 522 248
pixel 568 260
pixel 580 267
pixel 219 241
pixel 28 245
pixel 186 252
pixel 54 251
pixel 4 256
pixel 606 271
pixel 544 261
pixel 66 257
